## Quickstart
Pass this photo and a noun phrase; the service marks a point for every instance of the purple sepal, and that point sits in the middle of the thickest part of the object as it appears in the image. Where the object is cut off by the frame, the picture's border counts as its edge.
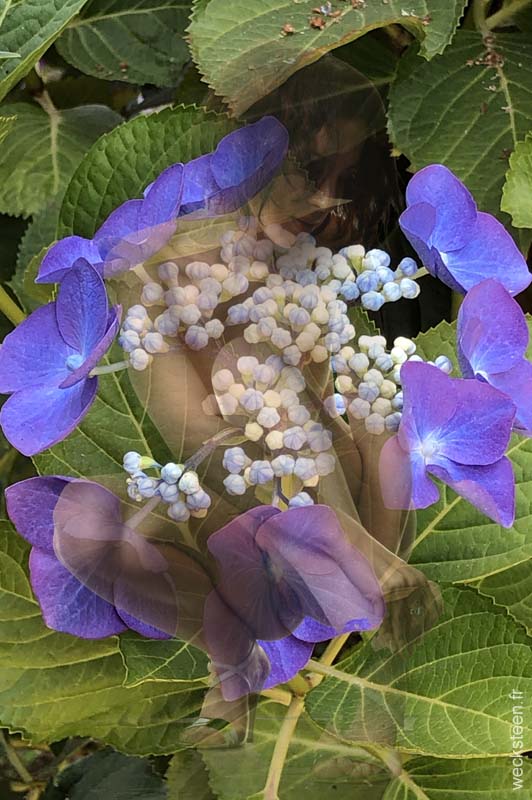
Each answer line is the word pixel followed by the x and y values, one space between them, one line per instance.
pixel 286 656
pixel 30 506
pixel 61 256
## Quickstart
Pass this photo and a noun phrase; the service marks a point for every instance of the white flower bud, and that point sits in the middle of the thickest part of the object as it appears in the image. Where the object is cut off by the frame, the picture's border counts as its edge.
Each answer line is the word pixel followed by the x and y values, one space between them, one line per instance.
pixel 152 294
pixel 235 284
pixel 129 341
pixel 274 440
pixel 190 314
pixel 373 376
pixel 298 414
pixel 235 460
pixel 405 344
pixel 393 421
pixel 168 272
pixel 397 401
pixel 391 292
pixel 445 364
pixel 139 359
pixel 196 337
pixel 384 363
pixel 381 406
pixel 253 431
pixel 305 468
pixel 344 384
pixel 171 472
pixel 131 462
pixel 137 311
pixel 409 289
pixel 368 391
pixel 198 500
pixel 264 374
pixel 335 405
pixel 169 492
pixel 175 296
pixel 214 328
pixel 268 417
pixel 374 424
pixel 260 472
pixel 294 438
pixel 272 399
pixel 235 485
pixel 291 355
pixel 134 324
pixel 165 325
pixel 222 380
pixel 319 354
pixel 388 389
pixel 189 482
pixel 398 355
pixel 300 499
pixel 178 512
pixel 147 487
pixel 325 464
pixel 332 342
pixel 288 398
pixel 283 465
pixel 207 302
pixel 258 271
pixel 228 404
pixel 154 343
pixel 252 400
pixel 197 270
pixel 219 272
pixel 237 390
pixel 360 409
pixel 252 334
pixel 319 439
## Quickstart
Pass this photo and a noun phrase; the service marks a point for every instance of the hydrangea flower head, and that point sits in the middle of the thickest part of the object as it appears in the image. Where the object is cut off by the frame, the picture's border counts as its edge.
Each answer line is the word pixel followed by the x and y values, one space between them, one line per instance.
pixel 457 243
pixel 45 363
pixel 492 339
pixel 90 588
pixel 291 578
pixel 456 430
pixel 217 183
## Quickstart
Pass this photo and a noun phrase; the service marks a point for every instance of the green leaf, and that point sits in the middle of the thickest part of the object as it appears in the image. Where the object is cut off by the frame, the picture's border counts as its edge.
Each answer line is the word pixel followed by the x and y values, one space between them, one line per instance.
pixel 42 149
pixel 139 41
pixel 244 54
pixel 516 195
pixel 38 237
pixel 156 660
pixel 466 109
pixel 122 163
pixel 111 775
pixel 455 541
pixel 27 29
pixel 187 778
pixel 318 766
pixel 469 779
pixel 53 685
pixel 512 588
pixel 446 695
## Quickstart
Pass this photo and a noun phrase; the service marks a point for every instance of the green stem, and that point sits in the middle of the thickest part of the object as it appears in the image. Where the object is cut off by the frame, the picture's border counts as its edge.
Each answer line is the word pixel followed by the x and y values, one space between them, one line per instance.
pixel 282 743
pixel 208 447
pixel 505 15
pixel 480 8
pixel 278 695
pixel 14 760
pixel 10 308
pixel 107 368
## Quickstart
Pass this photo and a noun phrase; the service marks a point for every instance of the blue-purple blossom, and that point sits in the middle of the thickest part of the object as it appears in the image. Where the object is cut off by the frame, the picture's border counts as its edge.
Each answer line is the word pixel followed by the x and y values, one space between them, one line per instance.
pixel 492 339
pixel 291 578
pixel 457 243
pixel 45 363
pixel 90 587
pixel 457 431
pixel 218 183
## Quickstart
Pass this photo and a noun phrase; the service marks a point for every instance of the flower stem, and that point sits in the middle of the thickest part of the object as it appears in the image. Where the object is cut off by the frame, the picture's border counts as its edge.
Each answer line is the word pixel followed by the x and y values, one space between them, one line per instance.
pixel 286 731
pixel 10 308
pixel 135 520
pixel 278 695
pixel 14 760
pixel 208 447
pixel 505 15
pixel 105 369
pixel 480 8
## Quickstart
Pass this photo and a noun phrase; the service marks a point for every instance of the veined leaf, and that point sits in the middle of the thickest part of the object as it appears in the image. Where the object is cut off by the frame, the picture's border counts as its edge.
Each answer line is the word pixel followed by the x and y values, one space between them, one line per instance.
pixel 247 50
pixel 41 149
pixel 27 29
pixel 512 588
pixel 121 164
pixel 455 541
pixel 466 109
pixel 447 695
pixel 53 685
pixel 187 777
pixel 516 195
pixel 139 41
pixel 159 660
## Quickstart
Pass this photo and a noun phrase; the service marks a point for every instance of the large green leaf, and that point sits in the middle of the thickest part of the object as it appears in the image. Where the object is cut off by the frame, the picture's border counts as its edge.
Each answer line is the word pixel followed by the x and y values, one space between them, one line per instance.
pixel 512 588
pixel 42 149
pixel 244 53
pixel 517 192
pixel 318 766
pixel 156 660
pixel 455 541
pixel 53 685
pixel 469 779
pixel 140 41
pixel 28 28
pixel 444 695
pixel 466 109
pixel 121 164
pixel 187 778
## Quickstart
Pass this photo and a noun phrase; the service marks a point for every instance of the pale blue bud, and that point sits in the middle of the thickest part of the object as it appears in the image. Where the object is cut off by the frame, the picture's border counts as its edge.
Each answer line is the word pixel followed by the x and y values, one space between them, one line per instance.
pixel 350 291
pixel 171 472
pixel 235 460
pixel 372 301
pixel 408 267
pixel 409 288
pixel 235 485
pixel 300 499
pixel 260 472
pixel 131 462
pixel 444 363
pixel 367 282
pixel 391 292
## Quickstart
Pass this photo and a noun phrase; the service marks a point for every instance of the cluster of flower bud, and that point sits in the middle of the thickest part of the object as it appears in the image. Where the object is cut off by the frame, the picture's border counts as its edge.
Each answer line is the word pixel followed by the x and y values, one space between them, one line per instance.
pixel 178 487
pixel 376 283
pixel 368 381
pixel 267 396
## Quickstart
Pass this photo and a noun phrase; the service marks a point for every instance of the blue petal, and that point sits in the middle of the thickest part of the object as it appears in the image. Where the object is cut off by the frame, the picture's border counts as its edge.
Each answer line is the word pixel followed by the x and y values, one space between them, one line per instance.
pixel 66 604
pixel 286 656
pixel 30 505
pixel 39 417
pixel 62 255
pixel 403 478
pixel 429 402
pixel 82 308
pixel 99 350
pixel 417 223
pixel 492 333
pixel 490 488
pixel 35 353
pixel 162 201
pixel 517 385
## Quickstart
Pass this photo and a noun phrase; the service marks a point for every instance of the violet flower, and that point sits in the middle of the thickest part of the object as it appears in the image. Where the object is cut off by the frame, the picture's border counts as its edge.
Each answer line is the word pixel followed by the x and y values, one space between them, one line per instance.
pixel 217 183
pixel 292 578
pixel 456 430
pixel 492 338
pixel 94 587
pixel 457 243
pixel 45 363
